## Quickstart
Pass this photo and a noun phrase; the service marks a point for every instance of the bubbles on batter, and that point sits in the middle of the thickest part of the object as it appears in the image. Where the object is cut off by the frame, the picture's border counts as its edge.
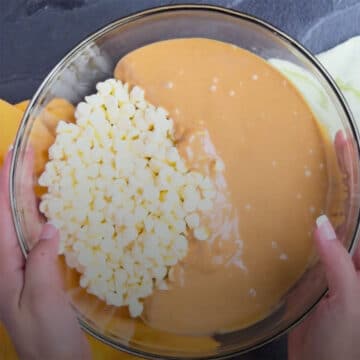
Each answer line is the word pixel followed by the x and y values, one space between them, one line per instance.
pixel 218 260
pixel 252 292
pixel 248 207
pixel 283 257
pixel 189 153
pixel 307 173
pixel 169 85
pixel 274 244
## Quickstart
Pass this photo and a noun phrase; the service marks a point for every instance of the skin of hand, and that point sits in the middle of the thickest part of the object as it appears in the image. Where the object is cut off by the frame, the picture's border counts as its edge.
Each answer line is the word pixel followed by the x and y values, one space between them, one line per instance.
pixel 33 305
pixel 332 330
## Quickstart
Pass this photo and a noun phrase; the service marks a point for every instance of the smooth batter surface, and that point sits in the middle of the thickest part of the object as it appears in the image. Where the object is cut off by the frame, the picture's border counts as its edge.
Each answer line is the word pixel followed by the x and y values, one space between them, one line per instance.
pixel 230 103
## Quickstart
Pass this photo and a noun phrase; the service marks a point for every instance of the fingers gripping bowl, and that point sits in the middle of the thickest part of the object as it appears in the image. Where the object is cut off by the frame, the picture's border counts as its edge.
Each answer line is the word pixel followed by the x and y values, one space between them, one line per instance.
pixel 168 312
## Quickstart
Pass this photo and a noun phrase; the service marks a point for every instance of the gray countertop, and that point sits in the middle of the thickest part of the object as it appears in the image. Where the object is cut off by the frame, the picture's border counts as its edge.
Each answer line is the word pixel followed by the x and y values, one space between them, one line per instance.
pixel 36 34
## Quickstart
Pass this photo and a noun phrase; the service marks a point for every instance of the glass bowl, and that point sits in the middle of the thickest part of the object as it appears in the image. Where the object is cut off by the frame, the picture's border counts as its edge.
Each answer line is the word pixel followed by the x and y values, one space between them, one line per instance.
pixel 94 60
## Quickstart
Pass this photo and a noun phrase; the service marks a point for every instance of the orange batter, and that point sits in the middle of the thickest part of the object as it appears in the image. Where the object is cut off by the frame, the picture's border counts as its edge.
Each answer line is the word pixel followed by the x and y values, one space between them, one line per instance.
pixel 226 100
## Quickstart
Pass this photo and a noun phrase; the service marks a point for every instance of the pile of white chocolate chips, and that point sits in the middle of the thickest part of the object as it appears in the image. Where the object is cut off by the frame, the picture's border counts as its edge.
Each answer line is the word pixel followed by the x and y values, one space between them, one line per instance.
pixel 121 195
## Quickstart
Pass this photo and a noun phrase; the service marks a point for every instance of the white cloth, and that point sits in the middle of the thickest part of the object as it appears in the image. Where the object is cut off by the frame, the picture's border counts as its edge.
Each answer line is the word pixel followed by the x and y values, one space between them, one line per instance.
pixel 343 64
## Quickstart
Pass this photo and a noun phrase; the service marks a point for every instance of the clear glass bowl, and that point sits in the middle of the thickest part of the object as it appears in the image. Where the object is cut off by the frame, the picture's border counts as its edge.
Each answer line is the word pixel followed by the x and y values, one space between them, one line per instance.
pixel 94 60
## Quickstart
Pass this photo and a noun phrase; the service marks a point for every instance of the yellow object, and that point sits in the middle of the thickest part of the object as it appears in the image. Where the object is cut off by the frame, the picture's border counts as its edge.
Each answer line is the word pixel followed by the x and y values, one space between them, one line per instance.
pixel 22 105
pixel 58 109
pixel 10 118
pixel 43 133
pixel 7 350
pixel 41 139
pixel 101 351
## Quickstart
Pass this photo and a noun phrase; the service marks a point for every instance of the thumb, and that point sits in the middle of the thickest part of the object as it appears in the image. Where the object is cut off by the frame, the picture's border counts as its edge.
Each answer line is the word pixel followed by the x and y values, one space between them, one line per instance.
pixel 339 268
pixel 42 274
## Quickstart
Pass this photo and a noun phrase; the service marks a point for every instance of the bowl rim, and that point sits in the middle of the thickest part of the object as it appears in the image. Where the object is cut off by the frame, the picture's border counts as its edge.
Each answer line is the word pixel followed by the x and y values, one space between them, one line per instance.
pixel 131 18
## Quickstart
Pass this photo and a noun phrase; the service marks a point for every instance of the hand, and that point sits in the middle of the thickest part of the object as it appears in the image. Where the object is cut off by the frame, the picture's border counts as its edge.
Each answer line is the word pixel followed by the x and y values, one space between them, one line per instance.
pixel 332 331
pixel 33 305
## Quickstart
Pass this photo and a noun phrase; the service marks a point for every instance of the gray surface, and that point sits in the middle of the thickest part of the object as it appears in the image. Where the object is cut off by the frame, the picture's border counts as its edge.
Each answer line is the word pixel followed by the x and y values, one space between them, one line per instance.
pixel 36 34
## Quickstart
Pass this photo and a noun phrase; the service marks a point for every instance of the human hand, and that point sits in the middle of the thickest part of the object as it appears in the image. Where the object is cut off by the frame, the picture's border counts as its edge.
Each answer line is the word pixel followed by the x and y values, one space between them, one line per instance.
pixel 33 305
pixel 332 331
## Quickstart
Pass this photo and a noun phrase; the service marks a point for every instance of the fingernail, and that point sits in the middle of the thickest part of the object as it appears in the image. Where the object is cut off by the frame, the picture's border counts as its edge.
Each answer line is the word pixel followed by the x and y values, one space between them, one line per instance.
pixel 325 227
pixel 48 232
pixel 11 147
